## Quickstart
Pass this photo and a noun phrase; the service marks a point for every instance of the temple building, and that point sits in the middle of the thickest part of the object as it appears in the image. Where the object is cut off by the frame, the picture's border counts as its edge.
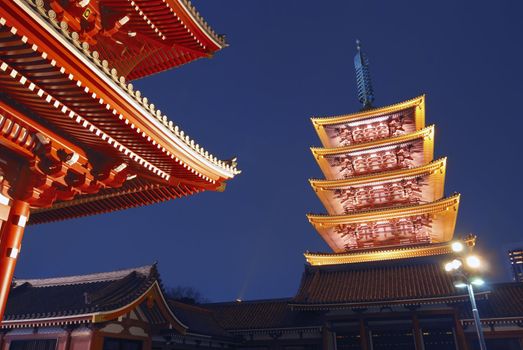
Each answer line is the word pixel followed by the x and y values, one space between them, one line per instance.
pixel 383 286
pixel 391 306
pixel 390 227
pixel 76 138
pixel 117 310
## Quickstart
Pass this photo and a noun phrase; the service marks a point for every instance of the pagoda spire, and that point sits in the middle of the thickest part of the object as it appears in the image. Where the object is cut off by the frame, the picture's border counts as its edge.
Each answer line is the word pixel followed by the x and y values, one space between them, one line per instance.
pixel 363 81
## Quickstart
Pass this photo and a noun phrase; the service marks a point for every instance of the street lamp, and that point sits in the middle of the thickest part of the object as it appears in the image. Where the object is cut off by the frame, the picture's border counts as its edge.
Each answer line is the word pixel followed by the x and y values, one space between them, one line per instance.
pixel 465 271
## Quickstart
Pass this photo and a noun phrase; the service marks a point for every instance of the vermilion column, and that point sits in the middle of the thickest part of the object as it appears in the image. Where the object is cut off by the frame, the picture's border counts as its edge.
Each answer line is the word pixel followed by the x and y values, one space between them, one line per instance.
pixel 10 243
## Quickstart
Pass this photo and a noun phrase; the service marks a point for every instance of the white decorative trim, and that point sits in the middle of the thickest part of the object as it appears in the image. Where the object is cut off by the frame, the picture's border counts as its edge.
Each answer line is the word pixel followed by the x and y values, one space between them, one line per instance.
pixel 141 104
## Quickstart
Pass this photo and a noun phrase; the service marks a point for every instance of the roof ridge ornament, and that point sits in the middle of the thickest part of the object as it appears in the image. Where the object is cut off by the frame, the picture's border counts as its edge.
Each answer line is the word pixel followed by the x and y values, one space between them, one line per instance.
pixel 363 81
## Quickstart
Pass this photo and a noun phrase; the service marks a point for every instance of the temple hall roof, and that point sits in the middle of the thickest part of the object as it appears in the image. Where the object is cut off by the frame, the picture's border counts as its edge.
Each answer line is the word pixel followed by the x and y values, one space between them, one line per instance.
pixel 199 319
pixel 408 281
pixel 504 301
pixel 77 295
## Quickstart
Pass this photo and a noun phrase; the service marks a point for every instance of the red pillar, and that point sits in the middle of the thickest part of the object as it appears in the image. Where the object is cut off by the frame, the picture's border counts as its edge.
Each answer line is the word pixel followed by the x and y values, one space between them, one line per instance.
pixel 10 244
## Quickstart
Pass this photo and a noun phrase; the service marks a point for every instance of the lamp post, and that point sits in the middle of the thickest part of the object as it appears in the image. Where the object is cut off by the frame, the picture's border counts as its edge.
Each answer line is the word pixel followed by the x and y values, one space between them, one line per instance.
pixel 464 269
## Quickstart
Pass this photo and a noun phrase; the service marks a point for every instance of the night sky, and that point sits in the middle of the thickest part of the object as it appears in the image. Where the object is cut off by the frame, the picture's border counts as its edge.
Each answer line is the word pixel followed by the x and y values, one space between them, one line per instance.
pixel 288 61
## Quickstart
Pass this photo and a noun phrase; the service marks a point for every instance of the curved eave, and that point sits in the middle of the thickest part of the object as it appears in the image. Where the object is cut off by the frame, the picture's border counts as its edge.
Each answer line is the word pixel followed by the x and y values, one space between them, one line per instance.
pixel 394 253
pixel 143 115
pixel 434 172
pixel 319 185
pixel 154 291
pixel 384 214
pixel 106 201
pixel 375 112
pixel 200 23
pixel 427 132
pixel 404 302
pixel 426 135
pixel 419 117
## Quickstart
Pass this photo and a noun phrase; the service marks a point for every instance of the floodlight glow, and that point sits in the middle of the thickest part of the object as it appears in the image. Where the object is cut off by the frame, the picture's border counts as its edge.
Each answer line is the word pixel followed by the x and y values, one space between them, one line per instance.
pixel 456 264
pixel 460 284
pixel 477 281
pixel 453 265
pixel 473 261
pixel 457 247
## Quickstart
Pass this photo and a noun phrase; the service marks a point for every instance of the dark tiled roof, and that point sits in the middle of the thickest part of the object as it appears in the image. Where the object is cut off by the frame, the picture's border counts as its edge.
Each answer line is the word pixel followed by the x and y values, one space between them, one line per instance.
pixel 77 295
pixel 261 314
pixel 198 319
pixel 505 300
pixel 375 282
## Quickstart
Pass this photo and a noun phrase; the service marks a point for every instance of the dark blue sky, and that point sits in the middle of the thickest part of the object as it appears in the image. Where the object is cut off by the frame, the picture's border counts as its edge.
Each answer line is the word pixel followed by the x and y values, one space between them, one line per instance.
pixel 287 61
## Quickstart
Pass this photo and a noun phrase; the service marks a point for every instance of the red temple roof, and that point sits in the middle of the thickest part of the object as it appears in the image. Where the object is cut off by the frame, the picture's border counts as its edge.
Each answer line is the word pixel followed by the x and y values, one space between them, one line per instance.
pixel 137 37
pixel 61 92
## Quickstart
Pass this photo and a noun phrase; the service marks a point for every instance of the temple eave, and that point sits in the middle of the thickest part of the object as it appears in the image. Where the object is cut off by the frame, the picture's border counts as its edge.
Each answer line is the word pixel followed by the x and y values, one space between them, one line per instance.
pixel 424 133
pixel 436 166
pixel 388 253
pixel 331 120
pixel 144 121
pixel 378 214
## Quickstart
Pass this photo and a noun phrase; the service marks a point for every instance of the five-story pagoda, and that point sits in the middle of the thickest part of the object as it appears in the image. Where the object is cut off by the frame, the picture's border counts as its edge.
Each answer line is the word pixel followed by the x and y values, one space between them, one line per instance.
pixel 384 191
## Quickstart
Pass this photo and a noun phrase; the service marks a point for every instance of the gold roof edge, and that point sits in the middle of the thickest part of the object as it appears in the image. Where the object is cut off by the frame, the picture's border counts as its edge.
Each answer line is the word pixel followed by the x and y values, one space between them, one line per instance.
pixel 337 119
pixel 392 253
pixel 425 132
pixel 394 212
pixel 388 175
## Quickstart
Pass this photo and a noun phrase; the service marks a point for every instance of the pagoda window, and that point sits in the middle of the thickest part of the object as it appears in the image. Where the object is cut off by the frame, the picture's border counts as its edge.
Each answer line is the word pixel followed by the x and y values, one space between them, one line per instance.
pixel 382 131
pixel 398 193
pixel 379 194
pixel 360 164
pixel 362 197
pixel 390 160
pixel 358 135
pixel 383 230
pixel 370 133
pixel 365 232
pixel 404 227
pixel 375 162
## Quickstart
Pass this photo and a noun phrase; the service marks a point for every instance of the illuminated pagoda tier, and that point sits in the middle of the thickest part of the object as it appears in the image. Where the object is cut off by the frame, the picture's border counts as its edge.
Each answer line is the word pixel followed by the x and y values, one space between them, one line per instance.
pixel 383 190
pixel 406 151
pixel 76 138
pixel 417 185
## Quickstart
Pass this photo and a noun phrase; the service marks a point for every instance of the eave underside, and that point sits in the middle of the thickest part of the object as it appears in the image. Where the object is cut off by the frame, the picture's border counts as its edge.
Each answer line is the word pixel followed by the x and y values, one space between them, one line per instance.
pixel 384 254
pixel 68 93
pixel 425 223
pixel 153 36
pixel 417 104
pixel 395 188
pixel 134 193
pixel 399 153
